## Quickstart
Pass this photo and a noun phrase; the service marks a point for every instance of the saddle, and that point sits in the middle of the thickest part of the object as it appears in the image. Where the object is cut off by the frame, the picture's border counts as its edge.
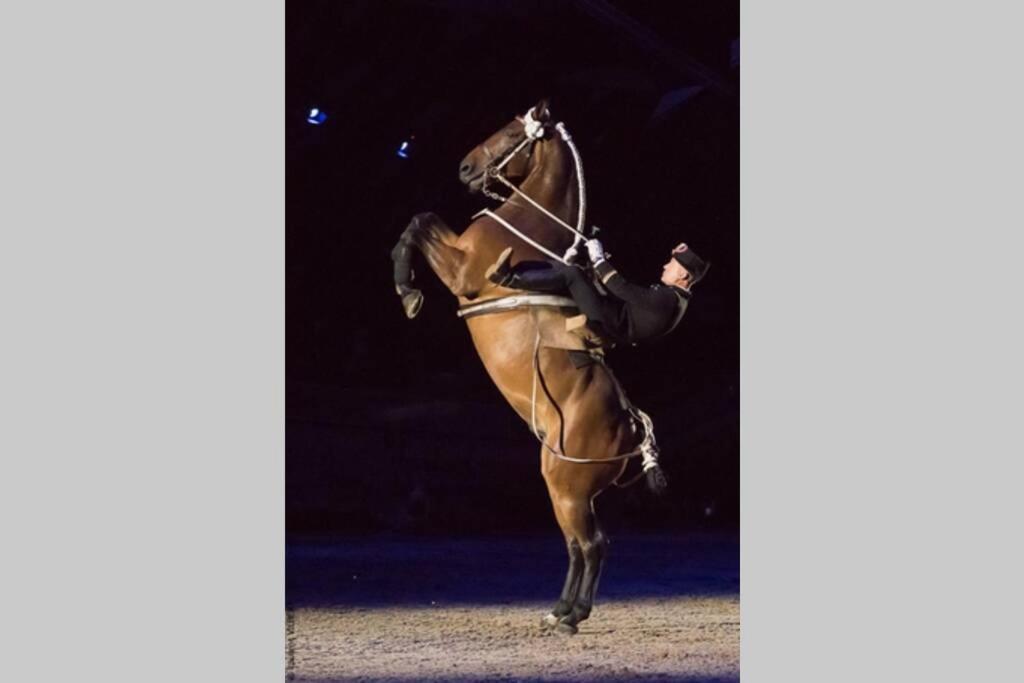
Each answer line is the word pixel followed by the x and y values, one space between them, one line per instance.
pixel 585 344
pixel 570 334
pixel 574 334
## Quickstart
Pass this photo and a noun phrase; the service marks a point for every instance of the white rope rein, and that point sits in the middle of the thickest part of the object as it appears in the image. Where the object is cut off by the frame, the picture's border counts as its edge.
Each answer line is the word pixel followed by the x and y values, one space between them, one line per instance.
pixel 529 240
pixel 581 212
pixel 535 130
pixel 507 183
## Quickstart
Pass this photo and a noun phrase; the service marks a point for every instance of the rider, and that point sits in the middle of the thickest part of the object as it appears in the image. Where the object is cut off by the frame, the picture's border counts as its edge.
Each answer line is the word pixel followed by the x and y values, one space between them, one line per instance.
pixel 633 313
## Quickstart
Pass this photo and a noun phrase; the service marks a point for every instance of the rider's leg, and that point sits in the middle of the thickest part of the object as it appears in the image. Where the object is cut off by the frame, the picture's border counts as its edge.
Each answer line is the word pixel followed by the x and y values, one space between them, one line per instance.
pixel 538 276
pixel 547 276
pixel 544 276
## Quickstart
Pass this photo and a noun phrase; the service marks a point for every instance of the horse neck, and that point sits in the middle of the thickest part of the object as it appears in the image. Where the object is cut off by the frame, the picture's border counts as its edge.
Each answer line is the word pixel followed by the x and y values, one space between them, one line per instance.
pixel 552 184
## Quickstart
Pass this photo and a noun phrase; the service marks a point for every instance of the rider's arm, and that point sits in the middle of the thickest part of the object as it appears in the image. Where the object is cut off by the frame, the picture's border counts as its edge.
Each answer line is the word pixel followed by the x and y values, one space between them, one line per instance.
pixel 633 294
pixel 652 311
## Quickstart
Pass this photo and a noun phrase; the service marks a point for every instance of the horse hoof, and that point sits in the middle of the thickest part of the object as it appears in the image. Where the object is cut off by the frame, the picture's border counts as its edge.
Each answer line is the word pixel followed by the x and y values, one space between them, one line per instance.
pixel 412 302
pixel 549 622
pixel 565 628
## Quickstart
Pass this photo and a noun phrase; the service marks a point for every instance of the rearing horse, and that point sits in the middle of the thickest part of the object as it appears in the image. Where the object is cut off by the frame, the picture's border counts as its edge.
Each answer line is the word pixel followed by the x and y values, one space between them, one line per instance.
pixel 581 410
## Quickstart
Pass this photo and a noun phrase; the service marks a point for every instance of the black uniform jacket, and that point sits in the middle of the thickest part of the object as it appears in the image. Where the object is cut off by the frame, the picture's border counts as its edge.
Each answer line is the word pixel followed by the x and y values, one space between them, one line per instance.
pixel 646 312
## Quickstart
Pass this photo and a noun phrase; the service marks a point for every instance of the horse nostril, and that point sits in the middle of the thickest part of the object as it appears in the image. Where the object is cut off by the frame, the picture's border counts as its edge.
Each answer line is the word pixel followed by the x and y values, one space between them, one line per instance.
pixel 464 169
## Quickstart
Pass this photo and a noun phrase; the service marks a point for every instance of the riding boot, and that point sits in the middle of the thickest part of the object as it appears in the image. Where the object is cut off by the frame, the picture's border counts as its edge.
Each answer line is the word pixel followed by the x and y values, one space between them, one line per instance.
pixel 500 271
pixel 547 278
pixel 530 275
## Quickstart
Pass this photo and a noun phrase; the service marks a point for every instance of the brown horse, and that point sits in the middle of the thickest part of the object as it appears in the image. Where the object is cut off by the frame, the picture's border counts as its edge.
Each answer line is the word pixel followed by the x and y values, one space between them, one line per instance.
pixel 582 406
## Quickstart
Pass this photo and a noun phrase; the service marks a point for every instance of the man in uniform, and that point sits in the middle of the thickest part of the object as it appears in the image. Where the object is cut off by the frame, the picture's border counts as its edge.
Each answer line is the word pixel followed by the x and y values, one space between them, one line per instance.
pixel 632 313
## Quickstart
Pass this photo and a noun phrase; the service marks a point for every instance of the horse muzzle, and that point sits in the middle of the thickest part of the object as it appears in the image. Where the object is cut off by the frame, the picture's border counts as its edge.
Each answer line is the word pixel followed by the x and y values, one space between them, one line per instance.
pixel 474 183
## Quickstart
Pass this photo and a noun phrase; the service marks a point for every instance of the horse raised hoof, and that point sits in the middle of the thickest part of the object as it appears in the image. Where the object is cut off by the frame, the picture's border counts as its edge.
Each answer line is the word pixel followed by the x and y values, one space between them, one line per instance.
pixel 412 300
pixel 656 481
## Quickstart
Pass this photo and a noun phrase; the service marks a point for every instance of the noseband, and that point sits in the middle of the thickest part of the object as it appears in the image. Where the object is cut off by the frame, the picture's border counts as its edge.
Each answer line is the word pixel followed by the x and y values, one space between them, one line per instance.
pixel 534 130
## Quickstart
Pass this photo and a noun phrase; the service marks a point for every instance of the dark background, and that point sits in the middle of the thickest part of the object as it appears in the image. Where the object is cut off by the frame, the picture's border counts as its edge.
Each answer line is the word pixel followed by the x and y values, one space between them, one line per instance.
pixel 393 425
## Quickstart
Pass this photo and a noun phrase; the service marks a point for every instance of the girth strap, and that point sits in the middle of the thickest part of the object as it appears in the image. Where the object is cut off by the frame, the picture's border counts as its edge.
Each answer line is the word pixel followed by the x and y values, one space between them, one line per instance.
pixel 508 303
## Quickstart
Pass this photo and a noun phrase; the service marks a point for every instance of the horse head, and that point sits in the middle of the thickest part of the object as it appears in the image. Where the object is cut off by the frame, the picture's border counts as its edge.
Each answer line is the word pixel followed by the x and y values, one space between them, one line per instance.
pixel 518 139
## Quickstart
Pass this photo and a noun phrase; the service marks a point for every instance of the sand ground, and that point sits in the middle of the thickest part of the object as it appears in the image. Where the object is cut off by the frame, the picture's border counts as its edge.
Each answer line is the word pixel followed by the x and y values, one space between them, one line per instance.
pixel 460 610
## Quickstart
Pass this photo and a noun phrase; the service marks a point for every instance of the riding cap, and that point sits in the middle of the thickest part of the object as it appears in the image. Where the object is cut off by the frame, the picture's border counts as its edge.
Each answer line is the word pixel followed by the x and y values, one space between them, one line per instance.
pixel 693 263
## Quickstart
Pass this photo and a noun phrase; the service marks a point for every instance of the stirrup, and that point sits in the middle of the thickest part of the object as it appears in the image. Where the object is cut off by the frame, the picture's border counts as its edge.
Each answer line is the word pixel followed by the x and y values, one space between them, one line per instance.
pixel 500 271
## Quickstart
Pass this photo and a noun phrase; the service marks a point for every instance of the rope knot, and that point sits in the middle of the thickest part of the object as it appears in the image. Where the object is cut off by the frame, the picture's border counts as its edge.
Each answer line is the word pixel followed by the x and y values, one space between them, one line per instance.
pixel 535 129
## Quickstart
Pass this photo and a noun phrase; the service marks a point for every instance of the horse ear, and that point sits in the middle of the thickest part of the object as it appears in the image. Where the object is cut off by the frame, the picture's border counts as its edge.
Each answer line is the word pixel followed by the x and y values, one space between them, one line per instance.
pixel 541 112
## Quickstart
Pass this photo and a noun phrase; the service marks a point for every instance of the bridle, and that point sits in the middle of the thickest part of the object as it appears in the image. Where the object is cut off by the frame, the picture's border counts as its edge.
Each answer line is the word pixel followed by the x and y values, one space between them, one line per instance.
pixel 493 170
pixel 535 130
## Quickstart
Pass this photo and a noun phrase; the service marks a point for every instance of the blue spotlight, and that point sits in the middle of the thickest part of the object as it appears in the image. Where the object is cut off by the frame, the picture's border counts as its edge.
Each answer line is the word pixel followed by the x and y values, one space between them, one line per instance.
pixel 406 147
pixel 316 117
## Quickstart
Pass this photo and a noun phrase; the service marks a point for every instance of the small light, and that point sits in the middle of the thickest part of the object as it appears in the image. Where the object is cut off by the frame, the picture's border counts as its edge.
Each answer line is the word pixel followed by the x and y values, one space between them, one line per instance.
pixel 316 117
pixel 405 148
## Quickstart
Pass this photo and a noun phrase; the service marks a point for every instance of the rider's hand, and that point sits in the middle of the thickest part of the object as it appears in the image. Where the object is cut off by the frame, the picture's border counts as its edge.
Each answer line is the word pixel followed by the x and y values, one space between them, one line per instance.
pixel 595 250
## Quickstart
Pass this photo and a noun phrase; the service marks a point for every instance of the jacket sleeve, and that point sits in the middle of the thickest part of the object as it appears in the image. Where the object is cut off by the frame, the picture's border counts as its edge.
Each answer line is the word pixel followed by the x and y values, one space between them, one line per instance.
pixel 645 297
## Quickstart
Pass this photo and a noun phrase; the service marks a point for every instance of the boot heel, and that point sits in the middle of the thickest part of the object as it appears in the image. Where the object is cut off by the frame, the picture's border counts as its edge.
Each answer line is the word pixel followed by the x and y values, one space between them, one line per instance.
pixel 499 271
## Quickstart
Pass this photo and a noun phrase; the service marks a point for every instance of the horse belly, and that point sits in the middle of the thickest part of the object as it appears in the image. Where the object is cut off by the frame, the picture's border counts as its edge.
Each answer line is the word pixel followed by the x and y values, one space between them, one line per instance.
pixel 504 342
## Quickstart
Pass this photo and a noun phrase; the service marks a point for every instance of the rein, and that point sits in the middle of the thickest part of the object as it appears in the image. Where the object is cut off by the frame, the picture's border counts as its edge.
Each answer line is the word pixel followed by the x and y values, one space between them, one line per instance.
pixel 535 130
pixel 515 231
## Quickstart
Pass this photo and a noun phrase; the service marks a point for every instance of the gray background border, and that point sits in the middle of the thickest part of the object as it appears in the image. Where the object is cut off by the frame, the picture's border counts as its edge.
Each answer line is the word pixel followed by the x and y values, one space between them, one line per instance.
pixel 141 264
pixel 142 270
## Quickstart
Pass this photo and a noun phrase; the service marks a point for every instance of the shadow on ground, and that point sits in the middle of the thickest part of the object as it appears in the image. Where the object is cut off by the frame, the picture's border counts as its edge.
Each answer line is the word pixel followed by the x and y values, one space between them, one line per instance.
pixel 424 571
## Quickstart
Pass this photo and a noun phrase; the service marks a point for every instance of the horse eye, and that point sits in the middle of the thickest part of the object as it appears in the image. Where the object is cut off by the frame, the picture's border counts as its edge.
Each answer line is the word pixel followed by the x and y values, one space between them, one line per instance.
pixel 511 133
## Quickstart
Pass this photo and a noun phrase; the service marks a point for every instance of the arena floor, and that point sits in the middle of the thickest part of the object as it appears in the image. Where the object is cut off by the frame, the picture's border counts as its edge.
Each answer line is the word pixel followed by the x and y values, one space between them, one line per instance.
pixel 469 610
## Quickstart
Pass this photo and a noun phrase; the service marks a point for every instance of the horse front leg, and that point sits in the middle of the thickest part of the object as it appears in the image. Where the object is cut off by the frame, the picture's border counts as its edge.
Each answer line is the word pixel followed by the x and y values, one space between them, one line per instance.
pixel 436 241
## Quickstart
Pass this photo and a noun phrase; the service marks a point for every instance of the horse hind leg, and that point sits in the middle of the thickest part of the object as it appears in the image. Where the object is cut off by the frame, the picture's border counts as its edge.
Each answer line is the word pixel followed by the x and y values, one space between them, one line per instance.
pixel 579 522
pixel 594 551
pixel 436 241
